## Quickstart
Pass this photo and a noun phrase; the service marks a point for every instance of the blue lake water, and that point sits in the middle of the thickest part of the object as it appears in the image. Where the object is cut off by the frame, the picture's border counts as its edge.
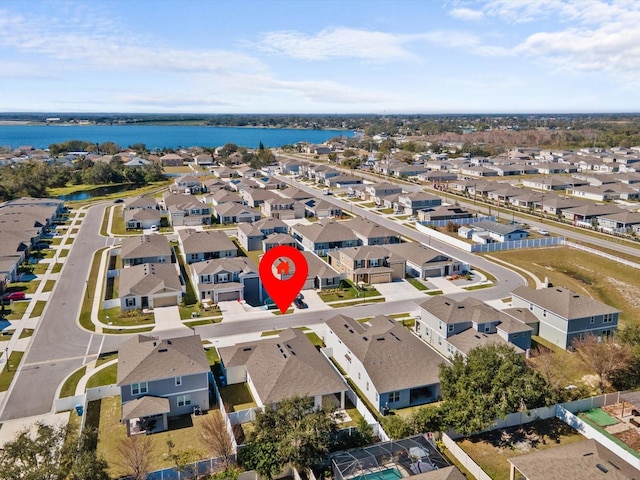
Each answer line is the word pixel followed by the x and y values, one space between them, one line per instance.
pixel 41 136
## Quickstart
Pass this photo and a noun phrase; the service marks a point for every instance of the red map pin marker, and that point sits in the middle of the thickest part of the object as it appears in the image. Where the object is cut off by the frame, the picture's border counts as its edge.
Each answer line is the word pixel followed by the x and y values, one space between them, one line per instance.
pixel 291 269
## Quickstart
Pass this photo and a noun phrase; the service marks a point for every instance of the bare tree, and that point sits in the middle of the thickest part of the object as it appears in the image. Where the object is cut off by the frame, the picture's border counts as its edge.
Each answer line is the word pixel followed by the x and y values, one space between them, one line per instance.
pixel 604 355
pixel 214 434
pixel 136 456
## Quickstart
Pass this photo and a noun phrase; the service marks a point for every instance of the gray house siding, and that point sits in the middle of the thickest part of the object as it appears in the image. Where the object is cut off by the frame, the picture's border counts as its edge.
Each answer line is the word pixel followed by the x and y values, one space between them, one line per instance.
pixel 195 386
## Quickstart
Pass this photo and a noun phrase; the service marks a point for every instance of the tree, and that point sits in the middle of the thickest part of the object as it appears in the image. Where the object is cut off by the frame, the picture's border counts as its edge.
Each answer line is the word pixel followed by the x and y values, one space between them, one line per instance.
pixel 39 455
pixel 87 465
pixel 396 427
pixel 491 382
pixel 605 356
pixel 214 434
pixel 182 459
pixel 293 432
pixel 135 456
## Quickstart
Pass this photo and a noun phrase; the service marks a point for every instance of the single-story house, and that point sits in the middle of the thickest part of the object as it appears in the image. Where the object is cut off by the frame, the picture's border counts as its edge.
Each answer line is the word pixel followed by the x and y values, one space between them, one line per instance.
pixel 150 285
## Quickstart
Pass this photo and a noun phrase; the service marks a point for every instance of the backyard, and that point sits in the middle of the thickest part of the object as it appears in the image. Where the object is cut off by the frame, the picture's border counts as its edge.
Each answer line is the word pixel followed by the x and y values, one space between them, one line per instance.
pixel 492 450
pixel 347 291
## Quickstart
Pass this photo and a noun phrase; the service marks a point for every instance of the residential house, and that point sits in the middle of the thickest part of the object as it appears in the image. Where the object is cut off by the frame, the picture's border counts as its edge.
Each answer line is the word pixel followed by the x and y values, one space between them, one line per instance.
pixel 289 167
pixel 389 365
pixel 240 184
pixel 378 190
pixel 224 279
pixel 185 210
pixel 565 315
pixel 198 246
pixel 224 172
pixel 552 183
pixel 171 160
pixel 295 194
pixel 324 236
pixel 283 208
pixel 488 231
pixel 343 181
pixel 254 197
pixel 187 184
pixel 321 274
pixel 160 379
pixel 368 264
pixel 456 326
pixel 150 285
pixel 586 215
pixel 319 208
pixel 277 239
pixel 226 213
pixel 141 218
pixel 269 183
pixel 152 248
pixel 324 174
pixel 527 200
pixel 223 196
pixel 246 171
pixel 250 235
pixel 437 177
pixel 444 212
pixel 623 222
pixel 203 160
pixel 424 262
pixel 140 203
pixel 410 203
pixel 281 366
pixel 404 170
pixel 556 205
pixel 371 233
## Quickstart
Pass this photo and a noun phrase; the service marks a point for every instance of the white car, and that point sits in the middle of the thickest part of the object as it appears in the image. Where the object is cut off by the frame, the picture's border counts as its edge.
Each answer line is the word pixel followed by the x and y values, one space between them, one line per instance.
pixel 543 232
pixel 154 228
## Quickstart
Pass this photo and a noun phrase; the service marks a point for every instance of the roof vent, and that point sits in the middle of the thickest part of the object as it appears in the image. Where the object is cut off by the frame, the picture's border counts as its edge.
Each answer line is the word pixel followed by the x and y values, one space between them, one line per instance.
pixel 365 339
pixel 247 349
pixel 602 468
pixel 350 330
pixel 163 350
pixel 380 339
pixel 168 342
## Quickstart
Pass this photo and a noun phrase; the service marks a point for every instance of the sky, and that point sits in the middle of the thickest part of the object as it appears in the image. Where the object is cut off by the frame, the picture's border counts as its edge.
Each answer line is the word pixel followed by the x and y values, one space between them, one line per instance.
pixel 320 56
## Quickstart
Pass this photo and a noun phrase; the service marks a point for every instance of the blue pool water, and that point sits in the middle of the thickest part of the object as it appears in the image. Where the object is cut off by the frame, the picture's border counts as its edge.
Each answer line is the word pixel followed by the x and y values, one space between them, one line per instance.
pixel 388 474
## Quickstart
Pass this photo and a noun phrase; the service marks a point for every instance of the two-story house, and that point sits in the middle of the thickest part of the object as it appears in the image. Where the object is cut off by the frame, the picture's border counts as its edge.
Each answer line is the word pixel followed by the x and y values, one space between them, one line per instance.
pixel 185 210
pixel 379 190
pixel 283 208
pixel 371 233
pixel 198 246
pixel 160 379
pixel 410 203
pixel 225 279
pixel 250 235
pixel 455 327
pixel 188 184
pixel 367 264
pixel 565 315
pixel 323 236
pixel 391 366
pixel 152 248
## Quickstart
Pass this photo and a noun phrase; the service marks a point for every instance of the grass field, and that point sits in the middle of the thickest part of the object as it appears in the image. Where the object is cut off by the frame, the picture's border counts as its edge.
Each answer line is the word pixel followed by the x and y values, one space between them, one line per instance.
pixel 106 376
pixel 69 387
pixel 605 280
pixel 601 417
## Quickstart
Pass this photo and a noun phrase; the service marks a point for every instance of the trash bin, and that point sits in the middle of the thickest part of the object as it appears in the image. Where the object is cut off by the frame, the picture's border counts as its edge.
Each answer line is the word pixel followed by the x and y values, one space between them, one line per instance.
pixel 79 409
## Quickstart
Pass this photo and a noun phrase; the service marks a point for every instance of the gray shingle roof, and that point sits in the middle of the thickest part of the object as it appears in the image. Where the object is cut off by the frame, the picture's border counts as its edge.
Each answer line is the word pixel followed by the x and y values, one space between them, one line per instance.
pixel 145 246
pixel 393 357
pixel 149 279
pixel 145 407
pixel 564 302
pixel 145 359
pixel 194 241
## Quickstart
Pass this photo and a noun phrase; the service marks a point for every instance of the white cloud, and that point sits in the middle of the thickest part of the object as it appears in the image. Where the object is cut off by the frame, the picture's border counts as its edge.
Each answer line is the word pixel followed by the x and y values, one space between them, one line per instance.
pixel 467 14
pixel 338 42
pixel 464 41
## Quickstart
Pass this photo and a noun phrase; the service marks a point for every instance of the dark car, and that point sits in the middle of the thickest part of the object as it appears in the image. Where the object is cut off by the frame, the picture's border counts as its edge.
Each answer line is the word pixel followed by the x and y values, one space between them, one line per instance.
pixel 299 303
pixel 118 200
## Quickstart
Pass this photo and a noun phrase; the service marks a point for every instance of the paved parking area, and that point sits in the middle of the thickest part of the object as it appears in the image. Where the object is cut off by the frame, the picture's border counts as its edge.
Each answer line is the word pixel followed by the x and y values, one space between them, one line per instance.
pixel 395 290
pixel 313 300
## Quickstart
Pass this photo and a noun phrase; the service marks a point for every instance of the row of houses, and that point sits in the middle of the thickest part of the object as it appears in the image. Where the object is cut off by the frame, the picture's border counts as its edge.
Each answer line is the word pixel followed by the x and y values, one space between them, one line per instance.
pixel 23 223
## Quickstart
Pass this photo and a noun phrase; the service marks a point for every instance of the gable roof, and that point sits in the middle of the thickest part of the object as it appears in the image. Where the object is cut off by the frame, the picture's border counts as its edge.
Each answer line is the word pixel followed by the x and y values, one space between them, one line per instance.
pixel 145 358
pixel 394 358
pixel 369 229
pixel 325 231
pixel 284 366
pixel 145 246
pixel 564 302
pixel 234 264
pixel 194 241
pixel 318 267
pixel 149 279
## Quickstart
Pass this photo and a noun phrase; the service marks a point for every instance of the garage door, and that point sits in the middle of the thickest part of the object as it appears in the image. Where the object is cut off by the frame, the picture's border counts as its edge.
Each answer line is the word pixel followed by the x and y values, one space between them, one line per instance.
pixel 165 301
pixel 223 296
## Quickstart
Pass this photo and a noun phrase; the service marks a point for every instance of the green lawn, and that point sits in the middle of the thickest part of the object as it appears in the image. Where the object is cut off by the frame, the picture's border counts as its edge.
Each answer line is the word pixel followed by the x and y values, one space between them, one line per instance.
pixel 48 286
pixel 64 252
pixel 127 331
pixel 106 376
pixel 57 268
pixel 8 371
pixel 105 221
pixel 129 318
pixel 237 397
pixel 69 387
pixel 37 310
pixel 357 302
pixel 56 241
pixel 417 283
pixel 106 357
pixel 17 310
pixel 203 321
pixel 117 222
pixel 212 355
pixel 87 303
pixel 26 332
pixel 26 287
pixel 347 291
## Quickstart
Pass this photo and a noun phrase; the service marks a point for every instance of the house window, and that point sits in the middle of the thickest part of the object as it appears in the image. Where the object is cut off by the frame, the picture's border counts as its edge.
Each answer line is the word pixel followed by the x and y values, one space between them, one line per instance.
pixel 184 400
pixel 139 388
pixel 544 313
pixel 178 381
pixel 394 397
pixel 592 319
pixel 130 302
pixel 367 386
pixel 359 375
pixel 440 325
pixel 531 307
pixel 608 318
pixel 193 256
pixel 450 328
pixel 487 328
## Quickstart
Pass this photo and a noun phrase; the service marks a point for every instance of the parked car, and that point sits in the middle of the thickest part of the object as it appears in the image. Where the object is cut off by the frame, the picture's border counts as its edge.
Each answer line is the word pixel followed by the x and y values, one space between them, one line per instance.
pixel 299 303
pixel 154 228
pixel 15 296
pixel 543 232
pixel 118 200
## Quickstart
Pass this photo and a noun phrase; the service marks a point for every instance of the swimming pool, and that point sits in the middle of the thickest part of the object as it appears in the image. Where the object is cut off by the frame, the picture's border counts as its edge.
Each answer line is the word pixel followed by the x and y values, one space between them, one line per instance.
pixel 389 474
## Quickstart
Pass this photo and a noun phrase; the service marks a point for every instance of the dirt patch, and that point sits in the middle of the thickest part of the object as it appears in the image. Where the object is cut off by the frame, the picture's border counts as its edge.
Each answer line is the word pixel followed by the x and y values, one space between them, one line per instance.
pixel 630 293
pixel 630 437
